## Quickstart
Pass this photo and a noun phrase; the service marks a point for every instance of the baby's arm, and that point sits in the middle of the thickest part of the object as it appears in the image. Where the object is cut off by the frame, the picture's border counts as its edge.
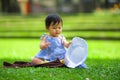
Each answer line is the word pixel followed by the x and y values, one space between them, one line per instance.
pixel 66 43
pixel 44 44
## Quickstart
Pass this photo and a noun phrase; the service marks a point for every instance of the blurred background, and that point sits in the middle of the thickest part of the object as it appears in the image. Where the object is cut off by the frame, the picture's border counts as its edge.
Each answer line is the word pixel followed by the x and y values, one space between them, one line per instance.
pixel 90 19
pixel 26 7
pixel 22 22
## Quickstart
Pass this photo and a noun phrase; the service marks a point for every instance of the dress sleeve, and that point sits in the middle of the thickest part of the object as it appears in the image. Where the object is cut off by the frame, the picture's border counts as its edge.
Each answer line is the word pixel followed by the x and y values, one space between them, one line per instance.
pixel 63 39
pixel 43 36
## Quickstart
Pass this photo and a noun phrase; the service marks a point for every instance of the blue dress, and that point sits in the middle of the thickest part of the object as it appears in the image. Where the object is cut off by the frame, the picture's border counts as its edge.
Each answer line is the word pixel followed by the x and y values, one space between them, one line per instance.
pixel 54 50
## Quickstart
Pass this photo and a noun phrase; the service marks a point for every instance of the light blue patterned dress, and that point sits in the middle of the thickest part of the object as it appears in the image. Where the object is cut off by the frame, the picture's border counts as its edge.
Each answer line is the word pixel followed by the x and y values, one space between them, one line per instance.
pixel 54 50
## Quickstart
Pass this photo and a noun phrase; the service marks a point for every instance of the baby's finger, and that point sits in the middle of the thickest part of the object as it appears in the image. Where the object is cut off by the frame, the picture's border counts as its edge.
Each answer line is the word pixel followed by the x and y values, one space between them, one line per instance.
pixel 48 43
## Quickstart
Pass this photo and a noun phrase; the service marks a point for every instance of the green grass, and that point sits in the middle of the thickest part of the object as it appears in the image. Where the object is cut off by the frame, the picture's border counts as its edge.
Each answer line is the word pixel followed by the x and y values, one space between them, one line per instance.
pixel 29 25
pixel 103 62
pixel 68 34
pixel 78 21
pixel 103 55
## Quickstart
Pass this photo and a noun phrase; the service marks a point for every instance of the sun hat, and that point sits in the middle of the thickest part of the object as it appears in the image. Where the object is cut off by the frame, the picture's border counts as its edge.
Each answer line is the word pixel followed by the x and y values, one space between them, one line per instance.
pixel 76 53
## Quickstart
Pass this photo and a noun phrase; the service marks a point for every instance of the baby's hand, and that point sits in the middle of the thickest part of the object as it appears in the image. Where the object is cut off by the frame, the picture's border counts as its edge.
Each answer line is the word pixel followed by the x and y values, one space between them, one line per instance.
pixel 44 44
pixel 69 43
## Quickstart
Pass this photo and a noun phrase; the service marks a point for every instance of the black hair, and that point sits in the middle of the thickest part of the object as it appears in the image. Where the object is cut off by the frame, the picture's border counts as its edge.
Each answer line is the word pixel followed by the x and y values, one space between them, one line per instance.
pixel 52 18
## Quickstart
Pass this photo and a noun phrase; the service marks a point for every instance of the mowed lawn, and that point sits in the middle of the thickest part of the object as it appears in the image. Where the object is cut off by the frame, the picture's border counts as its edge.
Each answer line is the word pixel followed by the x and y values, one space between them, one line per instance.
pixel 19 41
pixel 103 62
pixel 104 25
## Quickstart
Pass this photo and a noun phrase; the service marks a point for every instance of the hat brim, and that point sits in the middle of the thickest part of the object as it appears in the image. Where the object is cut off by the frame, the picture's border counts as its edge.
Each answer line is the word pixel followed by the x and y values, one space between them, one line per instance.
pixel 76 53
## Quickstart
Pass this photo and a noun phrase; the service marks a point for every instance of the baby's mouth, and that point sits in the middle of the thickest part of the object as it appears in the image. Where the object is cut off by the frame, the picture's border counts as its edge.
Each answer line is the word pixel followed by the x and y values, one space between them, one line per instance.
pixel 57 33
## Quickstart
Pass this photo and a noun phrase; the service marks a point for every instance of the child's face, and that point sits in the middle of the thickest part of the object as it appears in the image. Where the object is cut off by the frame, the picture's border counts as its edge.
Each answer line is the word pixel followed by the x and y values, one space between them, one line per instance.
pixel 55 30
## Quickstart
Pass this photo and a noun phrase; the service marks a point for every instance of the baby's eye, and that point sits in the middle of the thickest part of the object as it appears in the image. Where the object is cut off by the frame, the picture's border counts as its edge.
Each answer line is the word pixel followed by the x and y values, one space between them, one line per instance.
pixel 60 28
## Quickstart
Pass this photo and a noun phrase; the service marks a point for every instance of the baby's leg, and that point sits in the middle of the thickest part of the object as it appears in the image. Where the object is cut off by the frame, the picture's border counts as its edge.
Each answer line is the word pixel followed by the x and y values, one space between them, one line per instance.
pixel 37 60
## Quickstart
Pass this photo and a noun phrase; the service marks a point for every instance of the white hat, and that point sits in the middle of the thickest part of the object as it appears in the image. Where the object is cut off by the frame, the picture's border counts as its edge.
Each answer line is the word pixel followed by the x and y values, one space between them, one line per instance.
pixel 76 53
